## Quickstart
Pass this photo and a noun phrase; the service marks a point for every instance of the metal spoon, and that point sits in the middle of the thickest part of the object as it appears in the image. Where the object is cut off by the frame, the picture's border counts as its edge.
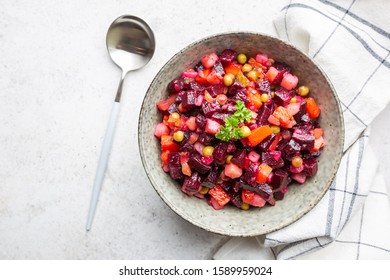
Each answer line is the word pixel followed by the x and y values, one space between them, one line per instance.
pixel 131 44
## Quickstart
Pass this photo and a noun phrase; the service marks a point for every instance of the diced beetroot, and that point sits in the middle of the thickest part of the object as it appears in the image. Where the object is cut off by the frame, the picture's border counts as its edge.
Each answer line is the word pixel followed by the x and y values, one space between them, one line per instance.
pixel 266 143
pixel 233 171
pixel 200 121
pixel 212 177
pixel 273 159
pixel 292 147
pixel 289 81
pixel 264 86
pixel 282 96
pixel 209 60
pixel 193 138
pixel 263 114
pixel 195 162
pixel 299 177
pixel 253 156
pixel 304 138
pixel 220 152
pixel 212 126
pixel 262 58
pixel 310 166
pixel 207 160
pixel 210 108
pixel 227 56
pixel 188 99
pixel 251 173
pixel 294 169
pixel 206 139
pixel 161 130
pixel 279 179
pixel 220 117
pixel 192 184
pixel 282 69
pixel 239 158
pixel 235 198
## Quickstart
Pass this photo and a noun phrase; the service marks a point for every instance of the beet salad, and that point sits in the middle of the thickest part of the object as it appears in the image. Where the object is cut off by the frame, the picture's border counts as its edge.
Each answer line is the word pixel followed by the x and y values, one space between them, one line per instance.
pixel 238 130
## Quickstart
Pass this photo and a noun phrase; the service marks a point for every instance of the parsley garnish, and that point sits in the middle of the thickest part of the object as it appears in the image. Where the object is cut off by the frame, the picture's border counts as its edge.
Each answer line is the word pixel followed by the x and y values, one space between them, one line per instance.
pixel 231 130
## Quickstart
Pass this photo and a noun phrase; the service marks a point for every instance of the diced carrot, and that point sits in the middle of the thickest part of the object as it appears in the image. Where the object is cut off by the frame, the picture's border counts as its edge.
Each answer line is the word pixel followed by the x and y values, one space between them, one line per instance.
pixel 219 195
pixel 163 105
pixel 318 132
pixel 164 156
pixel 318 144
pixel 259 134
pixel 233 68
pixel 254 97
pixel 167 144
pixel 312 109
pixel 254 63
pixel 263 173
pixel 282 115
pixel 273 145
pixel 202 76
pixel 290 124
pixel 252 198
pixel 214 78
pixel 272 73
pixel 273 120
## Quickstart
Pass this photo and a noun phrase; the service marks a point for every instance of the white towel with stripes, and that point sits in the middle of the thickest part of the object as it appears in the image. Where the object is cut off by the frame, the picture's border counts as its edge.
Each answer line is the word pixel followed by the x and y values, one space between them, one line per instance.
pixel 350 39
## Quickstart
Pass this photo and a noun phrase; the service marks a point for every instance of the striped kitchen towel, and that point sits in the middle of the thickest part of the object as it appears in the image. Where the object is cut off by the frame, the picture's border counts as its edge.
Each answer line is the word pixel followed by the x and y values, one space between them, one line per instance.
pixel 350 39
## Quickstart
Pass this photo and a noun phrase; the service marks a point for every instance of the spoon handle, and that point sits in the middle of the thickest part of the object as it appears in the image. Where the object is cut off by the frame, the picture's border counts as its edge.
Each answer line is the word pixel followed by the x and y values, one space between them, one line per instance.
pixel 104 154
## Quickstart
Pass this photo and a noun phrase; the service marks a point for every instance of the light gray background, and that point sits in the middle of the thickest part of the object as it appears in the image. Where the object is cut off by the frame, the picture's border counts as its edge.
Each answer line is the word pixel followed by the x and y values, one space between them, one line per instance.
pixel 57 86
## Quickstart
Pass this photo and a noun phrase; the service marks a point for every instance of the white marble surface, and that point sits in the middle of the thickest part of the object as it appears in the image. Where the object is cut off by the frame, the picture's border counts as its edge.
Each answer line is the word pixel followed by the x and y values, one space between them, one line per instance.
pixel 57 86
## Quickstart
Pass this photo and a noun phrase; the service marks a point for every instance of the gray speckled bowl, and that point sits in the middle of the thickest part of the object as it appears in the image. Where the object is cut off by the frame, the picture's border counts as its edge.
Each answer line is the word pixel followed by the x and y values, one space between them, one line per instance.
pixel 299 199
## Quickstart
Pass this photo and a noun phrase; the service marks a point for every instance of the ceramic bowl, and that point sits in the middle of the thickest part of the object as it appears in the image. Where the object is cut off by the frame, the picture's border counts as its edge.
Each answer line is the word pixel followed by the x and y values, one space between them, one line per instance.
pixel 230 220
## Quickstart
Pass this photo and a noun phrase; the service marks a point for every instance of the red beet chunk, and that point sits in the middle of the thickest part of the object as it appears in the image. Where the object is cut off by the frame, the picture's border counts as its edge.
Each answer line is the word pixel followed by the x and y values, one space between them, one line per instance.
pixel 220 152
pixel 227 56
pixel 251 173
pixel 310 166
pixel 210 108
pixel 273 159
pixel 188 99
pixel 282 96
pixel 195 162
pixel 239 158
pixel 280 179
pixel 192 184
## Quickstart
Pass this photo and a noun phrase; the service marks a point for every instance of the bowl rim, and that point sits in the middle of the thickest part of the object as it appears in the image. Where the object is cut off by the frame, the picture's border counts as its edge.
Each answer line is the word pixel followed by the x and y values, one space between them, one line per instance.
pixel 332 174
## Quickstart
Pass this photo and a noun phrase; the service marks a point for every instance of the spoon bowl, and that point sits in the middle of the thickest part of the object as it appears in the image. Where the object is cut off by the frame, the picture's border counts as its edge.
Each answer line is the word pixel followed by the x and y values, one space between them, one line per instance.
pixel 130 43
